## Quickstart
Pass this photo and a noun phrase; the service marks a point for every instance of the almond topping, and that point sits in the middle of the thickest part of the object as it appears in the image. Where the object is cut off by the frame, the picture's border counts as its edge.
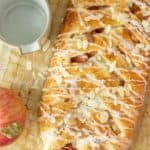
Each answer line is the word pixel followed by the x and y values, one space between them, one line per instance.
pixel 107 29
pixel 104 117
pixel 85 44
pixel 92 17
pixel 146 25
pixel 79 44
pixel 82 44
pixel 115 129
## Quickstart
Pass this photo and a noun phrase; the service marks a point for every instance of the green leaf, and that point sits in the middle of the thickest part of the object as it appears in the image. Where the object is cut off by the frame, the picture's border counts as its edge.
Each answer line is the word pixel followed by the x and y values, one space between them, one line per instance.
pixel 12 130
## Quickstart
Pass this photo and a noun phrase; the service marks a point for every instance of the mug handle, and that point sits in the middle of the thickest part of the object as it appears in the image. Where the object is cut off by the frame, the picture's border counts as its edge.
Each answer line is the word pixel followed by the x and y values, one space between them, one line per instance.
pixel 30 48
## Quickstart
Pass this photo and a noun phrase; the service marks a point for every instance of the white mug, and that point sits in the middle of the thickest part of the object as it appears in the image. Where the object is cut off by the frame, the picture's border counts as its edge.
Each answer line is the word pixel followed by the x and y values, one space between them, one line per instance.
pixel 23 23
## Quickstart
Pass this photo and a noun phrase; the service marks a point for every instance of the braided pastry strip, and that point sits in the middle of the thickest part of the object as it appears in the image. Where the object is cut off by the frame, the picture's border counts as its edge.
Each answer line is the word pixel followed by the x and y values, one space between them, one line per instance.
pixel 97 77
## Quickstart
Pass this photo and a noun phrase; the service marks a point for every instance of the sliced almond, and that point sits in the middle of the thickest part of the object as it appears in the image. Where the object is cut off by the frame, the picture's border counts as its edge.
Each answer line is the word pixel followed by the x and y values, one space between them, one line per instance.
pixel 79 44
pixel 104 117
pixel 146 25
pixel 115 129
pixel 85 44
pixel 82 44
pixel 107 29
pixel 79 59
pixel 92 17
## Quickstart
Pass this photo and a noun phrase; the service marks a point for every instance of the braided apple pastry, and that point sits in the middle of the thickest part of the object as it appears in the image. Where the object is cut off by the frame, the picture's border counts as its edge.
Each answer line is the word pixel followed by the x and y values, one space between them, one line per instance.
pixel 97 77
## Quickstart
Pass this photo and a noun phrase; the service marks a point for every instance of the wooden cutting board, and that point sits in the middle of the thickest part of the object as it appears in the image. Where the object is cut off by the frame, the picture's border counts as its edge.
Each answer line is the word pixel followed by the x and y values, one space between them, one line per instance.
pixel 25 75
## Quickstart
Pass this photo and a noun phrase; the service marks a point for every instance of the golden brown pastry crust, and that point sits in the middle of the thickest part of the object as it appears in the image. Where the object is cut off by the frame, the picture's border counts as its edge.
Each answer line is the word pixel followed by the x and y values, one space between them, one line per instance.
pixel 97 76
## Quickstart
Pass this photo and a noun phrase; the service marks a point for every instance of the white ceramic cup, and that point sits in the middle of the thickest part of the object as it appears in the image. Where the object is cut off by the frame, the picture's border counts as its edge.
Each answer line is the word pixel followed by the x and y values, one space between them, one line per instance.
pixel 23 23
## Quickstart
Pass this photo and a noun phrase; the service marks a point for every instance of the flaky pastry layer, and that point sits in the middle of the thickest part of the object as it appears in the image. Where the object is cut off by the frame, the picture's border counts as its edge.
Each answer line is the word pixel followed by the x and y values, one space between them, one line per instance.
pixel 97 76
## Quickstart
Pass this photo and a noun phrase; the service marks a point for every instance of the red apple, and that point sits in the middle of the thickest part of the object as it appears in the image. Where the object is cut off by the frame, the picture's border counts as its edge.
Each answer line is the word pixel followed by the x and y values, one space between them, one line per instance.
pixel 12 116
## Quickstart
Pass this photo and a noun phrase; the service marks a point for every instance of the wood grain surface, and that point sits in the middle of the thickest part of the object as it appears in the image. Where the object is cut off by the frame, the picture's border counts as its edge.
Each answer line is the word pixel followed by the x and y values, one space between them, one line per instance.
pixel 25 75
